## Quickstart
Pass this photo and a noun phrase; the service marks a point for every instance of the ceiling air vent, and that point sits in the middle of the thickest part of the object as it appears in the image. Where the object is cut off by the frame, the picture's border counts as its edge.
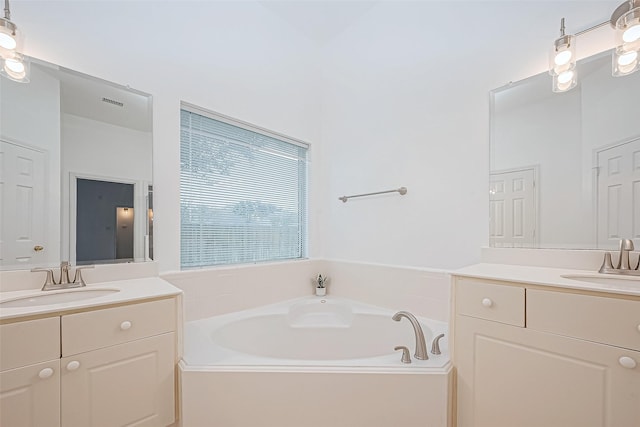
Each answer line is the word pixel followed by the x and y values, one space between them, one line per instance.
pixel 112 101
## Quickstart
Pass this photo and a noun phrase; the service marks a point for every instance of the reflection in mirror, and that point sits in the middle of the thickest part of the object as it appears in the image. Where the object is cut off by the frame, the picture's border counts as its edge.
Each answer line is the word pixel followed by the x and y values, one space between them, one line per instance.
pixel 75 161
pixel 565 168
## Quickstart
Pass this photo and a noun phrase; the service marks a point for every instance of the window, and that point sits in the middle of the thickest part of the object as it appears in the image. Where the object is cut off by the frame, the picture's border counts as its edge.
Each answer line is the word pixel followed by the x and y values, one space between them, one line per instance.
pixel 243 192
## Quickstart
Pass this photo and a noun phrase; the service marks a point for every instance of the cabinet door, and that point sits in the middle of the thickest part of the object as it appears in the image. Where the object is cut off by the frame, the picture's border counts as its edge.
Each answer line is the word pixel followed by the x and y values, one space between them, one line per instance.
pixel 129 384
pixel 509 376
pixel 30 396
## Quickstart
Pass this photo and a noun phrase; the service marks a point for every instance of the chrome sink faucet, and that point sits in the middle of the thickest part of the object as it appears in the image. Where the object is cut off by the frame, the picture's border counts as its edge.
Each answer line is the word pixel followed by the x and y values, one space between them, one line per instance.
pixel 421 346
pixel 50 282
pixel 624 264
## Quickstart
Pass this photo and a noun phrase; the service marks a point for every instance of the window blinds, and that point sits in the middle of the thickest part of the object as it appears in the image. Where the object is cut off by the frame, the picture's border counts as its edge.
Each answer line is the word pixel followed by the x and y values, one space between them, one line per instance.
pixel 243 194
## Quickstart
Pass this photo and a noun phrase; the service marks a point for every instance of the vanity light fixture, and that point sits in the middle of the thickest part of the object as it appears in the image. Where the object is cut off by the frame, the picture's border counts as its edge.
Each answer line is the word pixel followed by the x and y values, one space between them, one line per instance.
pixel 14 65
pixel 625 20
pixel 562 62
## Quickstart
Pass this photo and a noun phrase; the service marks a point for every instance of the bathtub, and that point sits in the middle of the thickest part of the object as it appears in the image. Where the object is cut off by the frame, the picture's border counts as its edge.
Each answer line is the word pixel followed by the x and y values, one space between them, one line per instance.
pixel 313 361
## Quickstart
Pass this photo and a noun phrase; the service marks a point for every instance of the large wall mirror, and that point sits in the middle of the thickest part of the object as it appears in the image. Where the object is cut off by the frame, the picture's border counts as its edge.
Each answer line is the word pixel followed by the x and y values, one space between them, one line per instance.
pixel 76 170
pixel 565 167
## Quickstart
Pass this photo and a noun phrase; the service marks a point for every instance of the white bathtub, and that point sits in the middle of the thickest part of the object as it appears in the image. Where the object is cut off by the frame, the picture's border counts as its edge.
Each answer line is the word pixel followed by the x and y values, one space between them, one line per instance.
pixel 314 361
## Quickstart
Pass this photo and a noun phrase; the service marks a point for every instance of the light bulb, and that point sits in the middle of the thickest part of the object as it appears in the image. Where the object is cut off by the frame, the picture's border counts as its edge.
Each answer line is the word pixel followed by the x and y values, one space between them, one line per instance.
pixel 563 57
pixel 627 58
pixel 7 41
pixel 565 77
pixel 631 34
pixel 14 68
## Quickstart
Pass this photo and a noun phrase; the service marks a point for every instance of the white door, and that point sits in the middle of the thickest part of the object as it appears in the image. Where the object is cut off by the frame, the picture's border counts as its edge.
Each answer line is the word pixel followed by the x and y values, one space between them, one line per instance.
pixel 22 205
pixel 618 202
pixel 512 209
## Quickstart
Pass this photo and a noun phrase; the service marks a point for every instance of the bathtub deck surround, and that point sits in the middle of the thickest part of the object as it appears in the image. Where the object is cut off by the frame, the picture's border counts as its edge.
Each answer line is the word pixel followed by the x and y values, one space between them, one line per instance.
pixel 339 349
pixel 528 337
pixel 215 291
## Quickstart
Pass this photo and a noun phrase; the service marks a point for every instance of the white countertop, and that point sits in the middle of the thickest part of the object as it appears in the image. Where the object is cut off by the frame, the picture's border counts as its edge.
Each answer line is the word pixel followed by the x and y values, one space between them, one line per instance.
pixel 587 280
pixel 128 290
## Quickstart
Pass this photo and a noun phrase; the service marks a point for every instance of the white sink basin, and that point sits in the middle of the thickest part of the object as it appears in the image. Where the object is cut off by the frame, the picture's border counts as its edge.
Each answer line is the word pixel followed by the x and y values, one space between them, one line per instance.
pixel 605 279
pixel 46 298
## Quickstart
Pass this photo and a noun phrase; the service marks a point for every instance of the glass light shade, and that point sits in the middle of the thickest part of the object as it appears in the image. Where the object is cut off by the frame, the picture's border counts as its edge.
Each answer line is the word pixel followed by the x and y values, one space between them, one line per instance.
pixel 565 81
pixel 563 55
pixel 625 62
pixel 11 39
pixel 629 26
pixel 16 68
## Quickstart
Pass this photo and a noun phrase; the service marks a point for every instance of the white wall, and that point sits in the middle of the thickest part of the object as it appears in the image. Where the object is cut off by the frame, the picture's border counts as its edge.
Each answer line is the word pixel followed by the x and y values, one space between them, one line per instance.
pixel 236 58
pixel 30 119
pixel 399 98
pixel 106 152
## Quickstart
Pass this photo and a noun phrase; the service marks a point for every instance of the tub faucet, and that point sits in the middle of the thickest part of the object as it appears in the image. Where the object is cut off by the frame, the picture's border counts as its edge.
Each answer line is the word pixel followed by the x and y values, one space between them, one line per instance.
pixel 421 347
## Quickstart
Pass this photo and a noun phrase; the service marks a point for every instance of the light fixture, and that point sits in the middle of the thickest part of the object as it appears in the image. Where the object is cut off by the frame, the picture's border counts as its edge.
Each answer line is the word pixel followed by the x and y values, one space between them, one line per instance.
pixel 626 22
pixel 14 65
pixel 562 62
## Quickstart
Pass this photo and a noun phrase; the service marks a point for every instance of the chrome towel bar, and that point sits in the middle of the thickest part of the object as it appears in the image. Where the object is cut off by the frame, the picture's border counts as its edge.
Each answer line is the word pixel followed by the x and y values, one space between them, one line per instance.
pixel 401 190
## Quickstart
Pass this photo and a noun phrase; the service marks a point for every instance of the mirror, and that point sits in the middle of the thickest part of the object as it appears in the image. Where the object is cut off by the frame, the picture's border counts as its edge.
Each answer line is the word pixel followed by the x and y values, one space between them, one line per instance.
pixel 565 167
pixel 76 170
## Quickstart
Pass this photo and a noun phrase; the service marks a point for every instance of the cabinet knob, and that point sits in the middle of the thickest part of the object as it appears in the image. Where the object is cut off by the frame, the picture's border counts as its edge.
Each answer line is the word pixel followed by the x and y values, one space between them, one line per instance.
pixel 487 302
pixel 125 325
pixel 627 362
pixel 73 365
pixel 45 373
pixel 638 328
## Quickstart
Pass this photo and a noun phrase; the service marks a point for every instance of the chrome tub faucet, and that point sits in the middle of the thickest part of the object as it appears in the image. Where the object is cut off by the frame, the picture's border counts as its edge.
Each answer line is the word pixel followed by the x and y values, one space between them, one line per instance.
pixel 421 346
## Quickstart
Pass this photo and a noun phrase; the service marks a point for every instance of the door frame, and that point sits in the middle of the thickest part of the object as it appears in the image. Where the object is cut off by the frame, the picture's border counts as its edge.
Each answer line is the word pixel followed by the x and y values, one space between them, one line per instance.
pixel 138 206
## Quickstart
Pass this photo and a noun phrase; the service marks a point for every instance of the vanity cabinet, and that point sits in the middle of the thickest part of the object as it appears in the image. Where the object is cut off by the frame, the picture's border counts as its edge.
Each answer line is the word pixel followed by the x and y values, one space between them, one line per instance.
pixel 112 367
pixel 30 373
pixel 532 356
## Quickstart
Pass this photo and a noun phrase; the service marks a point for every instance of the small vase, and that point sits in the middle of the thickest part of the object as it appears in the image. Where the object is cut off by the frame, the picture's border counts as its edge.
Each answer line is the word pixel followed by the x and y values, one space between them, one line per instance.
pixel 321 292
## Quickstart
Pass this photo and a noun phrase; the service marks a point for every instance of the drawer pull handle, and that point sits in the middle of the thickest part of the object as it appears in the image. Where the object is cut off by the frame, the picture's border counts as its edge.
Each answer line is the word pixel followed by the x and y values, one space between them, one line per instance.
pixel 45 373
pixel 125 325
pixel 73 365
pixel 487 302
pixel 627 362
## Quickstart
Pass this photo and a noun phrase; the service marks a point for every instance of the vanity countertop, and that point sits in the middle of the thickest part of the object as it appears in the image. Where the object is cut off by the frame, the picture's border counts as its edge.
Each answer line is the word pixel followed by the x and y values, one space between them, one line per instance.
pixel 129 290
pixel 585 280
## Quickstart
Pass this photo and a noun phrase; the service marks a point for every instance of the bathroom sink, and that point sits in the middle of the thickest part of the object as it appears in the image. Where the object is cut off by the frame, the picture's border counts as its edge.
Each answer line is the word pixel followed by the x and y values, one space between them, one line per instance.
pixel 602 279
pixel 57 297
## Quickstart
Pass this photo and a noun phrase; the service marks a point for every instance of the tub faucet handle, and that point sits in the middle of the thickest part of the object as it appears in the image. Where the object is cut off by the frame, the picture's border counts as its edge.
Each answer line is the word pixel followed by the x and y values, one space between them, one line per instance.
pixel 435 346
pixel 406 358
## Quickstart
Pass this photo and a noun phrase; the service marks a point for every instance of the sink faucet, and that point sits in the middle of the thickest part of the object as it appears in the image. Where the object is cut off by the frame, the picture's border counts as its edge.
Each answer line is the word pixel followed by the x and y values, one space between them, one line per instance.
pixel 421 347
pixel 50 282
pixel 624 265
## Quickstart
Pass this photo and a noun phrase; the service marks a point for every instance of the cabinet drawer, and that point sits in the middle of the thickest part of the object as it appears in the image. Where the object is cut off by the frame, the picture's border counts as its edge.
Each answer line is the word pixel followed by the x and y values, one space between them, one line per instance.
pixel 101 328
pixel 43 342
pixel 605 320
pixel 500 303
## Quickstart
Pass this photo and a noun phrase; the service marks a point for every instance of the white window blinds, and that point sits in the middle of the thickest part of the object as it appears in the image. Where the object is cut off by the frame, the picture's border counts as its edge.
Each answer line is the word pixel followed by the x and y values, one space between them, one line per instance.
pixel 243 194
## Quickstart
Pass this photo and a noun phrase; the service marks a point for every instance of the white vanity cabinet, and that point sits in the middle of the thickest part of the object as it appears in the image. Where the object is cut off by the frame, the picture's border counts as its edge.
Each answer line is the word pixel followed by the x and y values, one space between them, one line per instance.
pixel 30 373
pixel 114 367
pixel 532 356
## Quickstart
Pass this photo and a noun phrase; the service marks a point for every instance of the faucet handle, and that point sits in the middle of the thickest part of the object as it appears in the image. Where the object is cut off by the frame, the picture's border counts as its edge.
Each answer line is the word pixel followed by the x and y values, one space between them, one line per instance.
pixel 435 346
pixel 77 278
pixel 49 281
pixel 607 264
pixel 406 358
